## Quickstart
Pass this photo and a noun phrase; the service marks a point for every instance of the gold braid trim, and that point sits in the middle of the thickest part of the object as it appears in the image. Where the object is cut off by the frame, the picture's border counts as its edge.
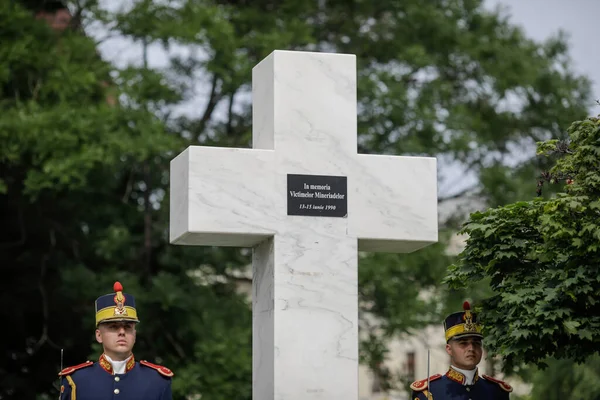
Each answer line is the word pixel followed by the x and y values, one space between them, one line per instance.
pixel 73 387
pixel 108 313
pixel 460 329
pixel 130 364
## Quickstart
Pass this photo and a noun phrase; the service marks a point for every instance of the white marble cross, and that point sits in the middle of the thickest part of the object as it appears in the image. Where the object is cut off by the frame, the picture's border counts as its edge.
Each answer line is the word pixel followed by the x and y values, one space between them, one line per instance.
pixel 305 301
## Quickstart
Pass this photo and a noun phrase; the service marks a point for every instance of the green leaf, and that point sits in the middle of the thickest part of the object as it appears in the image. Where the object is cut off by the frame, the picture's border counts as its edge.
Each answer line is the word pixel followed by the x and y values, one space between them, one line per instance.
pixel 571 326
pixel 586 334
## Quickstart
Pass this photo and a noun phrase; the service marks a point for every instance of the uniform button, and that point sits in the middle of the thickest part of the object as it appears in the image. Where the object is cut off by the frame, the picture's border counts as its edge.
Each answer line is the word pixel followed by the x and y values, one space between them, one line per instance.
pixel 117 379
pixel 468 389
pixel 117 392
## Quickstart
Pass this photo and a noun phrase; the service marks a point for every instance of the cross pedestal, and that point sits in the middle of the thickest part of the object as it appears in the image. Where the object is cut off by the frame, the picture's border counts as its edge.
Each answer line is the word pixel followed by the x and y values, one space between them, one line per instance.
pixel 306 203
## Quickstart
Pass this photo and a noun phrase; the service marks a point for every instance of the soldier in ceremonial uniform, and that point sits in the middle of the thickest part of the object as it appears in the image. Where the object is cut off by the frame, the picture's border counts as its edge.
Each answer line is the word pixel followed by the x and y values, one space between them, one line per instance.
pixel 462 381
pixel 116 375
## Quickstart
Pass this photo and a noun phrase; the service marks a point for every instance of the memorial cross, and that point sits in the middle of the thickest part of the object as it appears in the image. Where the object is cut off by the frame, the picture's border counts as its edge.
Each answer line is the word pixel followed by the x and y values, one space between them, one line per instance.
pixel 306 203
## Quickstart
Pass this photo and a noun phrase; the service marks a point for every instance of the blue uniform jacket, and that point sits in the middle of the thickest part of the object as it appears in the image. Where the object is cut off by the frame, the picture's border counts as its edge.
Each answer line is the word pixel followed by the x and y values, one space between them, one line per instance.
pixel 95 381
pixel 450 387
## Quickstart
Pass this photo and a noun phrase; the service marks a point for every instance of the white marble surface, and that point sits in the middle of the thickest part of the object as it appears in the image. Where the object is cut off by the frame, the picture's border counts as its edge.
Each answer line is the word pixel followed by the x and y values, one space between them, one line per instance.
pixel 305 268
pixel 263 320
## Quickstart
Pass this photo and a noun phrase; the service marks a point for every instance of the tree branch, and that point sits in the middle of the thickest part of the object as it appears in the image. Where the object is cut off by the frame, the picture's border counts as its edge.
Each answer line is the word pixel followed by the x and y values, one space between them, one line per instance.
pixel 58 227
pixel 457 195
pixel 237 279
pixel 100 41
pixel 210 106
pixel 175 345
pixel 147 221
pixel 44 338
pixel 128 187
pixel 228 129
pixel 147 190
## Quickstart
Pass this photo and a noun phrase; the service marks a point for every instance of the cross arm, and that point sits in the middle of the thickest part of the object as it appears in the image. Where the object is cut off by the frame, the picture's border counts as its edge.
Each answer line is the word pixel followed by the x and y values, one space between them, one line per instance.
pixel 222 196
pixel 397 199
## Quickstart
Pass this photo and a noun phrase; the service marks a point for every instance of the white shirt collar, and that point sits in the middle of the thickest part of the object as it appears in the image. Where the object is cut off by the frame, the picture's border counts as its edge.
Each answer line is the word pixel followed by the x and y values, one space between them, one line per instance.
pixel 118 366
pixel 469 375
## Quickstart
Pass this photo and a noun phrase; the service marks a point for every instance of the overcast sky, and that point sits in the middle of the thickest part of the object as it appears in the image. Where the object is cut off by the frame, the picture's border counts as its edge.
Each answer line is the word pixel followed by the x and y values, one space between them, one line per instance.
pixel 539 18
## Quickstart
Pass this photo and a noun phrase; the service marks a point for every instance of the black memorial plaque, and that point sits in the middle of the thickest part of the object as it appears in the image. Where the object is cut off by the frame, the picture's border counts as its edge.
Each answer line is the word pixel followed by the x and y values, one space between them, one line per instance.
pixel 317 195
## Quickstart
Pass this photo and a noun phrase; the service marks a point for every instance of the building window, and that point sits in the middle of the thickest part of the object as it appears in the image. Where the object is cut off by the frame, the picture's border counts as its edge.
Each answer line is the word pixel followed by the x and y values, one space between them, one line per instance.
pixel 410 366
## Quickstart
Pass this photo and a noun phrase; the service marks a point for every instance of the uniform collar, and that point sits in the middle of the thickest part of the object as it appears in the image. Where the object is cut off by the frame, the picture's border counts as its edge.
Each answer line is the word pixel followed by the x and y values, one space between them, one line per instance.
pixel 460 375
pixel 106 364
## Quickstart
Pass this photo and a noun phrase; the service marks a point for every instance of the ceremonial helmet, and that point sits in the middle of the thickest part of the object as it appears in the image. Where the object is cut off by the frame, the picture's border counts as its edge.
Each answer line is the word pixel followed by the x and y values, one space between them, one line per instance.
pixel 117 306
pixel 462 323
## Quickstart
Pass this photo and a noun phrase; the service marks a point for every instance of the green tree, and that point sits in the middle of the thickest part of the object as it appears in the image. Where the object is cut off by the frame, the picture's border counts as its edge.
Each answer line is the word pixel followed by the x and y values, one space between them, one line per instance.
pixel 566 379
pixel 85 183
pixel 541 259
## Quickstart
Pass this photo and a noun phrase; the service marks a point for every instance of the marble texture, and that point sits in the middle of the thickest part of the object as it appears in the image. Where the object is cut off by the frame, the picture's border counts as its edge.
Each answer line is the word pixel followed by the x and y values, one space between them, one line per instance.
pixel 305 301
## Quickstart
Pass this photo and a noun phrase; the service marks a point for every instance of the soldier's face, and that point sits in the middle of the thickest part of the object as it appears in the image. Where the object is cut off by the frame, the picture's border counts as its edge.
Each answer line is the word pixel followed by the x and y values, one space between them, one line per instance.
pixel 465 352
pixel 117 338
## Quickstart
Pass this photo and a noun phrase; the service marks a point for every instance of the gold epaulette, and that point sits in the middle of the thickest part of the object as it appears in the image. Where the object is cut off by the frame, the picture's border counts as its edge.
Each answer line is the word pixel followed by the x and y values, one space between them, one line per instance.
pixel 161 370
pixel 70 370
pixel 502 384
pixel 419 386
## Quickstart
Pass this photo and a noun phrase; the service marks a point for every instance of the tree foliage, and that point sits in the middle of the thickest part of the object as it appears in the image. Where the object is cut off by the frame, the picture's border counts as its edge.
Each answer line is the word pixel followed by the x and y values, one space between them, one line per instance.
pixel 566 379
pixel 85 146
pixel 541 258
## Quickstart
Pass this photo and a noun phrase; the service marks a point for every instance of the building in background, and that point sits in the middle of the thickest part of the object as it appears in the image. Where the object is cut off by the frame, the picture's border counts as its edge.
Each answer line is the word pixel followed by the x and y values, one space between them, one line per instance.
pixel 56 14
